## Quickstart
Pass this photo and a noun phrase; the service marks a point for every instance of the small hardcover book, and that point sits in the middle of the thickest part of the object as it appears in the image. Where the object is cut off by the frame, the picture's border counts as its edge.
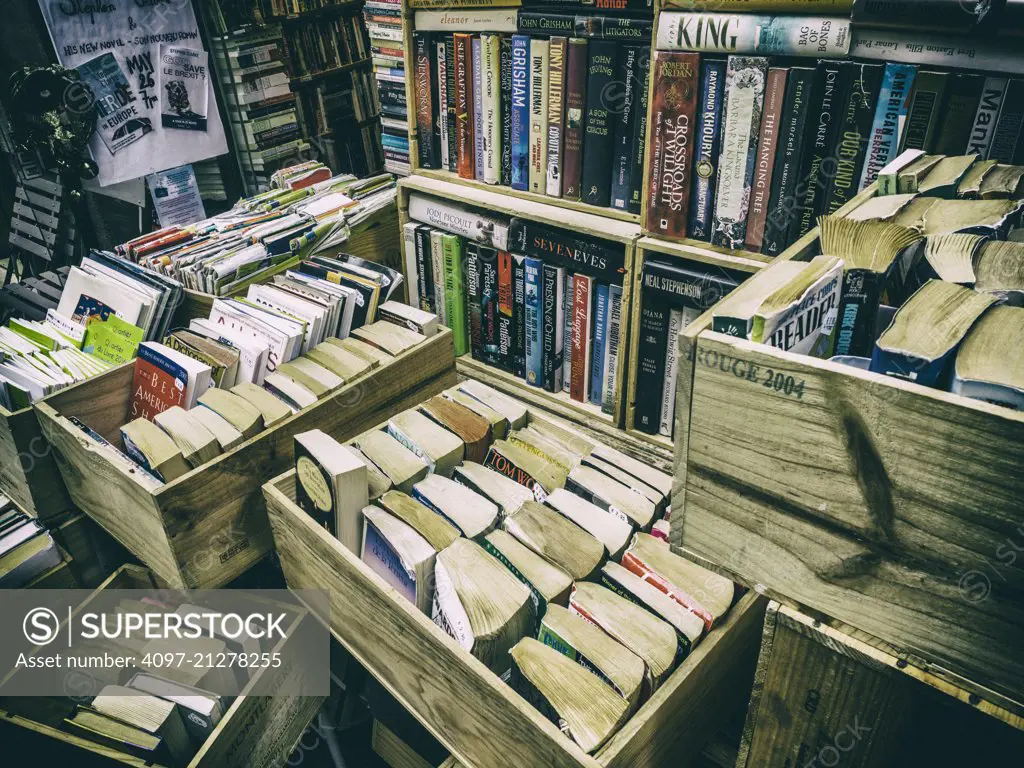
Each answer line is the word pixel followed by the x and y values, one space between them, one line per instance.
pixel 520 117
pixel 533 319
pixel 575 106
pixel 479 129
pixel 600 333
pixel 331 486
pixel 556 114
pixel 706 149
pixel 538 115
pixel 623 121
pixel 596 181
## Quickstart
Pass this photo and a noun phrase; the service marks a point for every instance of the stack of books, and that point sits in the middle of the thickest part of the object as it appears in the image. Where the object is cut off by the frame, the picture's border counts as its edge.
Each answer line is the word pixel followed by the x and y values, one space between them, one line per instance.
pixel 549 101
pixel 541 303
pixel 538 550
pixel 27 550
pixel 760 123
pixel 384 24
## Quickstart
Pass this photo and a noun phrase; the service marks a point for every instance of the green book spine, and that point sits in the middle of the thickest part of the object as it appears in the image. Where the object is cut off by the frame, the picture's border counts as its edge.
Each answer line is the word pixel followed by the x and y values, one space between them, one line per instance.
pixel 453 250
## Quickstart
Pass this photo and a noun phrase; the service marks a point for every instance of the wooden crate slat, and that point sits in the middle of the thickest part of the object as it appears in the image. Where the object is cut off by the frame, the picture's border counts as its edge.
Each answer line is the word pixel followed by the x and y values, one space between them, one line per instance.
pixel 39 201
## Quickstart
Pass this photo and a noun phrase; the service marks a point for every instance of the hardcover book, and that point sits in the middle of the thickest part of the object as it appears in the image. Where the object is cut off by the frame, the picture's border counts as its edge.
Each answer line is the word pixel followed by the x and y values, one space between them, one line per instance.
pixel 426 89
pixel 472 281
pixel 851 149
pixel 490 45
pixel 611 349
pixel 754 34
pixel 451 104
pixel 575 106
pixel 533 321
pixel 579 384
pixel 464 128
pixel 506 311
pixel 489 305
pixel 964 93
pixel 519 316
pixel 992 95
pixel 650 373
pixel 596 178
pixel 505 76
pixel 623 119
pixel 766 146
pixel 600 334
pixel 556 115
pixel 479 129
pixel 442 102
pixel 927 98
pixel 706 149
pixel 603 259
pixel 638 147
pixel 553 303
pixel 889 115
pixel 539 49
pixel 520 124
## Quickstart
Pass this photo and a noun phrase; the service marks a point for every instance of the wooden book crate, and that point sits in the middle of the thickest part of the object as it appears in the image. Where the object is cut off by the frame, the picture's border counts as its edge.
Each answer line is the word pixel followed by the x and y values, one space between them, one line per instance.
pixel 892 507
pixel 462 703
pixel 28 473
pixel 824 696
pixel 255 731
pixel 208 526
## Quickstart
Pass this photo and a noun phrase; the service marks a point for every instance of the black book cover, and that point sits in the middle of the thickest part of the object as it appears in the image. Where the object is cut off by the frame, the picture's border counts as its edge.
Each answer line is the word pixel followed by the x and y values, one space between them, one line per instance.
pixel 650 368
pixel 603 259
pixel 314 488
pixel 489 304
pixel 624 117
pixel 852 145
pixel 828 98
pixel 519 316
pixel 449 57
pixel 473 300
pixel 855 333
pixel 788 156
pixel 602 66
pixel 505 78
pixel 1009 132
pixel 425 74
pixel 550 292
pixel 923 111
pixel 639 145
pixel 963 95
pixel 680 286
pixel 425 269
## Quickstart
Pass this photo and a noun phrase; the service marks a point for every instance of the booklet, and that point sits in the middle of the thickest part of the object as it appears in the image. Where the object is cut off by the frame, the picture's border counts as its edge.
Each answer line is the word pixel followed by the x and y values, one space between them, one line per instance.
pixel 184 75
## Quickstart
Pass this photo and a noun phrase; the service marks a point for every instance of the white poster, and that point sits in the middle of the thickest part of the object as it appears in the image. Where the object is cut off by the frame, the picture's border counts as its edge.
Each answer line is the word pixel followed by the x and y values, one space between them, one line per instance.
pixel 176 197
pixel 134 30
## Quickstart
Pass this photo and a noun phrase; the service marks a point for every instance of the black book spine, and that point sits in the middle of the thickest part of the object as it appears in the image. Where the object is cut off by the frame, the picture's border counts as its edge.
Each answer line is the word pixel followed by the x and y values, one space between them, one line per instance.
pixel 624 119
pixel 544 23
pixel 650 369
pixel 425 269
pixel 602 66
pixel 505 62
pixel 831 93
pixel 449 105
pixel 958 113
pixel 425 73
pixel 313 506
pixel 858 313
pixel 1009 133
pixel 602 259
pixel 679 286
pixel 549 293
pixel 489 305
pixel 519 316
pixel 852 145
pixel 639 145
pixel 601 6
pixel 473 300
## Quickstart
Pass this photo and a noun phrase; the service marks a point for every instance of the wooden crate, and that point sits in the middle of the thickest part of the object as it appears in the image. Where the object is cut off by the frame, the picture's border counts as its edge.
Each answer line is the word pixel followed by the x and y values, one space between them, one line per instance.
pixel 208 526
pixel 93 553
pixel 256 731
pixel 28 472
pixel 892 507
pixel 823 696
pixel 464 705
pixel 494 201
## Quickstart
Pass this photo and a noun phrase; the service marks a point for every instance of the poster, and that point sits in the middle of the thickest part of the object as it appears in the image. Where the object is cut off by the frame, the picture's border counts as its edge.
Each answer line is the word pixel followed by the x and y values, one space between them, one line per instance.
pixel 183 87
pixel 134 30
pixel 118 121
pixel 176 197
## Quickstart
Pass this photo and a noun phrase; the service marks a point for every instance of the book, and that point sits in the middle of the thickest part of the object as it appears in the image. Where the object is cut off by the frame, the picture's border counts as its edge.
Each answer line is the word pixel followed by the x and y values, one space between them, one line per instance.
pixel 533 321
pixel 623 118
pixel 943 179
pixel 800 316
pixel 888 177
pixel 854 135
pixel 581 334
pixel 112 732
pixel 927 98
pixel 154 450
pixel 459 220
pixel 441 449
pixel 521 100
pixel 557 49
pixel 432 526
pixel 754 34
pixel 505 318
pixel 467 20
pixel 549 585
pixel 470 512
pixel 426 92
pixel 552 333
pixel 505 90
pixel 567 326
pixel 612 349
pixel 272 409
pixel 473 306
pixel 634 483
pixel 638 143
pixel 519 316
pixel 613 532
pixel 963 95
pixel 539 78
pixel 600 323
pixel 988 362
pixel 454 297
pixel 734 315
pixel 999 269
pixel 910 176
pixel 934 15
pixel 450 104
pixel 556 539
pixel 568 695
pixel 890 114
pixel 767 143
pixel 489 305
pixel 575 106
pixel 201 710
pixel 399 555
pixel 598 136
pixel 608 493
pixel 480 604
pixel 511 409
pixel 922 339
pixel 441 61
pixel 197 444
pixel 741 118
pixel 331 486
pixel 378 482
pixel 474 430
pixel 1009 130
pixel 164 378
pixel 148 713
pixel 650 371
pixel 507 494
pixel 706 150
pixel 578 253
pixel 401 466
pixel 479 129
pixel 236 410
pixel 464 125
pixel 415 320
pixel 526 468
pixel 228 437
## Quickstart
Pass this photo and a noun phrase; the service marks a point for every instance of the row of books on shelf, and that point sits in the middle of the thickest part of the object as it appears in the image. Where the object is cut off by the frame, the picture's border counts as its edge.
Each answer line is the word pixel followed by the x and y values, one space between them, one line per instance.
pixel 322 44
pixel 298 7
pixel 773 147
pixel 384 25
pixel 540 303
pixel 541 552
pixel 564 117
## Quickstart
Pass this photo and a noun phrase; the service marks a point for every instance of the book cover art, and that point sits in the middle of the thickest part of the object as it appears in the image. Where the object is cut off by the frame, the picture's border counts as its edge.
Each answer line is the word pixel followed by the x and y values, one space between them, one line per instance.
pixel 520 127
pixel 314 489
pixel 706 149
pixel 119 121
pixel 534 321
pixel 890 112
pixel 158 383
pixel 185 89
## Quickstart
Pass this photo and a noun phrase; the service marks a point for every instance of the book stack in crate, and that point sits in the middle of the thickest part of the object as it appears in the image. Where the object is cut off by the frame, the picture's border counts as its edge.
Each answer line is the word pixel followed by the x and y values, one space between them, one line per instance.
pixel 387 43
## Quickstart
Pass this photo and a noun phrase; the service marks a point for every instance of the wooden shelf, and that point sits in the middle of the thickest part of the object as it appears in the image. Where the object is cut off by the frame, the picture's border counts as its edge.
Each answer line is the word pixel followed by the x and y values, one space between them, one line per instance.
pixel 316 77
pixel 557 202
pixel 706 253
pixel 328 10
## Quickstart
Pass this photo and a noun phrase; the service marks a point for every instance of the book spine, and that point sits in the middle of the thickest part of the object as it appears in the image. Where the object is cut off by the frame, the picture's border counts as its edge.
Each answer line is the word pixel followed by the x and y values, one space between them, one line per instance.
pixel 1010 126
pixel 851 149
pixel 668 174
pixel 456 218
pixel 767 144
pixel 751 34
pixel 575 104
pixel 442 102
pixel 958 113
pixel 624 117
pixel 858 311
pixel 597 353
pixel 576 252
pixel 465 20
pixel 437 268
pixel 638 147
pixel 506 311
pixel 611 350
pixel 961 52
pixel 985 118
pixel 889 113
pixel 668 390
pixel 538 115
pixel 451 104
pixel 579 384
pixel 534 321
pixel 505 68
pixel 464 105
pixel 556 103
pixel 519 316
pixel 541 23
pixel 643 6
pixel 650 372
pixel 489 305
pixel 413 272
pixel 741 117
pixel 549 359
pixel 454 291
pixel 520 112
pixel 424 101
pixel 706 150
pixel 926 99
pixel 596 178
pixel 473 299
pixel 490 45
pixel 479 129
pixel 567 340
pixel 425 268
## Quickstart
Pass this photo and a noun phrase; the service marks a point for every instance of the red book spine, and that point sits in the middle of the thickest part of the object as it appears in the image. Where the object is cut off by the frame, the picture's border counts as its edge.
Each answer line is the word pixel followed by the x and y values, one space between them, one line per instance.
pixel 579 372
pixel 575 105
pixel 153 391
pixel 633 564
pixel 761 188
pixel 671 144
pixel 465 147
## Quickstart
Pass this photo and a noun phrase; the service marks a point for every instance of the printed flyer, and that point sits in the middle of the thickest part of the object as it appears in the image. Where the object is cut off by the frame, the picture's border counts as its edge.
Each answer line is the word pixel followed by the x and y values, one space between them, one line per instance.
pixel 118 120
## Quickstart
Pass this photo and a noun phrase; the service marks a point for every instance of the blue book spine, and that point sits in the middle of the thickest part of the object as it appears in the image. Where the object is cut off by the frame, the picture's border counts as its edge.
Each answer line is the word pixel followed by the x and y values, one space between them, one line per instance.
pixel 600 334
pixel 927 373
pixel 520 112
pixel 707 145
pixel 478 109
pixel 890 112
pixel 534 320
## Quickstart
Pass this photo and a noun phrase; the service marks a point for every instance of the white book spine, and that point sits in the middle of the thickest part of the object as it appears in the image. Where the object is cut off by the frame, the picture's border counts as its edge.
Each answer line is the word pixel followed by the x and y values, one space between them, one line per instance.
pixel 462 20
pixel 454 218
pixel 442 101
pixel 567 334
pixel 611 348
pixel 556 105
pixel 668 390
pixel 490 55
pixel 412 274
pixel 538 115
